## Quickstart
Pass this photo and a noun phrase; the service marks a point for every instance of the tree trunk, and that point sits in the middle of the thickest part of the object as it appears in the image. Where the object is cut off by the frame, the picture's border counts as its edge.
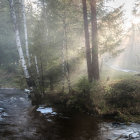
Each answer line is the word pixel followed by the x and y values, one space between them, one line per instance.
pixel 63 67
pixel 95 63
pixel 36 65
pixel 51 84
pixel 42 76
pixel 67 57
pixel 25 32
pixel 87 41
pixel 18 41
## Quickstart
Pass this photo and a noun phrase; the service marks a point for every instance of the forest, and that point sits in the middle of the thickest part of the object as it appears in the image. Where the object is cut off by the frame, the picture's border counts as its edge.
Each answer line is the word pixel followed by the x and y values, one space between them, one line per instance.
pixel 69 69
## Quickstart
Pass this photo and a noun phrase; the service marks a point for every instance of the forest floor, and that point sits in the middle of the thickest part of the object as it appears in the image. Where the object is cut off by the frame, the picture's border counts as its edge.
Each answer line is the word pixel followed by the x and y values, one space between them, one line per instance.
pixel 117 99
pixel 116 96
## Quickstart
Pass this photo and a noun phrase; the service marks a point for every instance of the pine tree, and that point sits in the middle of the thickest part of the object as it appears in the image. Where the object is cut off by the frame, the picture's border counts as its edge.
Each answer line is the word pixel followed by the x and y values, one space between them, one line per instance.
pixel 95 61
pixel 87 41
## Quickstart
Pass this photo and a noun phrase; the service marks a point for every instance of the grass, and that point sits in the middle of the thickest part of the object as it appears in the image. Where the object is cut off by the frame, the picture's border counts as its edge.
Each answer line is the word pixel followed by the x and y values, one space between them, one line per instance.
pixel 118 99
pixel 112 74
pixel 117 96
pixel 9 79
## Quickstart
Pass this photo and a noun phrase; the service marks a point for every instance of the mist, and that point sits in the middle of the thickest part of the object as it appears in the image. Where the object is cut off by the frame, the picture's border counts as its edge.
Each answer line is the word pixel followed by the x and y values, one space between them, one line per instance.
pixel 69 67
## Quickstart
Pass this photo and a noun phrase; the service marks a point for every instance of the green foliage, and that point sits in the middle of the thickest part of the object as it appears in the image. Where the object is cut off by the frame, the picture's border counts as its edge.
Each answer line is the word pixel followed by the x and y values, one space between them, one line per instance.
pixel 84 86
pixel 47 37
pixel 110 28
pixel 97 95
pixel 119 100
pixel 136 11
pixel 8 53
pixel 80 102
pixel 124 95
pixel 45 34
pixel 11 77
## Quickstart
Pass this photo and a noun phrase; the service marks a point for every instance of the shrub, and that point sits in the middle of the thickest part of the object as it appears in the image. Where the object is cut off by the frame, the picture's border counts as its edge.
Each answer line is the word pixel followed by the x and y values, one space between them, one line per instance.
pixel 83 85
pixel 125 95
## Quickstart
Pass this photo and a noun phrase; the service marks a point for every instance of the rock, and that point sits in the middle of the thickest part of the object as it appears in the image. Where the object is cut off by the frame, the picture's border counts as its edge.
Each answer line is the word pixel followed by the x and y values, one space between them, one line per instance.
pixel 120 131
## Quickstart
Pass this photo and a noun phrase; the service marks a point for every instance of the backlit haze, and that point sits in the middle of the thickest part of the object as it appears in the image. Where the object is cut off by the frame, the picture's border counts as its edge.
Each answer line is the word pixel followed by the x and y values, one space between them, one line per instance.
pixel 128 7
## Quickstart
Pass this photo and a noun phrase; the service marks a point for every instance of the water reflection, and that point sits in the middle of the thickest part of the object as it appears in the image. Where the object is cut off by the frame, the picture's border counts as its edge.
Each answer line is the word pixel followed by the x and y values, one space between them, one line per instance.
pixel 77 127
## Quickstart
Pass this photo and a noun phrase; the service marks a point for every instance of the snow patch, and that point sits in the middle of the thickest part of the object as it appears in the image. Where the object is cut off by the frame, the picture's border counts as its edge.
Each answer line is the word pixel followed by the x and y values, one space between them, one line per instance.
pixel 135 135
pixel 122 132
pixel 22 99
pixel 1 110
pixel 47 110
pixel 2 114
pixel 27 91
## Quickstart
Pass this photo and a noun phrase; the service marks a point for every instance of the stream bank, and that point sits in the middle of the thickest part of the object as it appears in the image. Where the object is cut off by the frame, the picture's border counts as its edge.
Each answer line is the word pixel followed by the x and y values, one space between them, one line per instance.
pixel 26 122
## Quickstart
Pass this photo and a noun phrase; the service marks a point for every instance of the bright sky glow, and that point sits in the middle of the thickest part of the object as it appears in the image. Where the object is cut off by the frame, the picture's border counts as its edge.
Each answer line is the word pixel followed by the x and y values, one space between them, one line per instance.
pixel 128 7
pixel 34 4
pixel 136 20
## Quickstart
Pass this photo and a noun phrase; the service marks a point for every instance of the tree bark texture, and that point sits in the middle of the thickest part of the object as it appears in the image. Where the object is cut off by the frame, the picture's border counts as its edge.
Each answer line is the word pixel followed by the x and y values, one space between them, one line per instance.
pixel 87 41
pixel 95 62
pixel 18 40
pixel 25 32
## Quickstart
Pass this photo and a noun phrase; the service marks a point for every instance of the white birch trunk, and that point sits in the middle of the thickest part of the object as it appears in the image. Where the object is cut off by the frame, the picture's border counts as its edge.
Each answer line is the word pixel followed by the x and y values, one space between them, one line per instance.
pixel 18 41
pixel 25 32
pixel 37 70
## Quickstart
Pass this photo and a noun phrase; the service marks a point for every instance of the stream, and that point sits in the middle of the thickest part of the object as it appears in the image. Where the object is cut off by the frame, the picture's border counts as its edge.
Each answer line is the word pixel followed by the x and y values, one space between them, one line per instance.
pixel 19 120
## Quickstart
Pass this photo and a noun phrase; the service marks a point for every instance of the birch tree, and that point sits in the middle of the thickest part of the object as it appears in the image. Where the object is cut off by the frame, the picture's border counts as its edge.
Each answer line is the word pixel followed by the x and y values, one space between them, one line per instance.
pixel 25 31
pixel 36 65
pixel 18 40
